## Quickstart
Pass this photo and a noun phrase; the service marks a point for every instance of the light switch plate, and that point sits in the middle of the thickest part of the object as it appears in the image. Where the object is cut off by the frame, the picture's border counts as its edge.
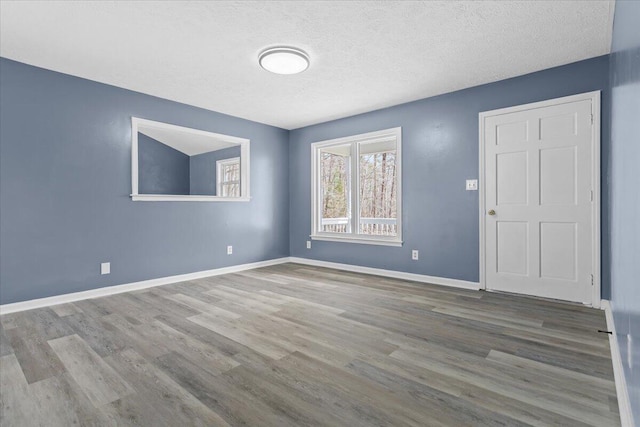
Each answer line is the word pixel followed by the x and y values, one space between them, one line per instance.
pixel 105 268
pixel 472 185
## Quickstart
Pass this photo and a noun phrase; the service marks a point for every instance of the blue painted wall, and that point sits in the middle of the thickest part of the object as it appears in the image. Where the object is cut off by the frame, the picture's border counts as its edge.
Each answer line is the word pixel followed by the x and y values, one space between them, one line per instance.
pixel 161 169
pixel 65 180
pixel 440 151
pixel 625 191
pixel 203 170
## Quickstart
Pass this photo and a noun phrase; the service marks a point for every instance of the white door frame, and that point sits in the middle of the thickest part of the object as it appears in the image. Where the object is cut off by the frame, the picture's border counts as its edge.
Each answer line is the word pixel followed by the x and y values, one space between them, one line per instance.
pixel 595 206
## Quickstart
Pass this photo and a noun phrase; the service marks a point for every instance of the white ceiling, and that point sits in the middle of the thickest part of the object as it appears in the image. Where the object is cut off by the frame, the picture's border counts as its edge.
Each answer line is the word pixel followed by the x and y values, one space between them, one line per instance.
pixel 189 143
pixel 365 55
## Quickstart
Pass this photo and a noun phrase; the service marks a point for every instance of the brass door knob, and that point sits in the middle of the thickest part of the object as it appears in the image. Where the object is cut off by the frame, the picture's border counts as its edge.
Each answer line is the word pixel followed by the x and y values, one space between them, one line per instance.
pixel 492 212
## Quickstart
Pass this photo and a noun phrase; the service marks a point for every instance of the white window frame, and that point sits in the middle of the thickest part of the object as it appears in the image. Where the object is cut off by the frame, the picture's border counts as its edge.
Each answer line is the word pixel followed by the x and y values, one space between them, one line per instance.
pixel 316 193
pixel 219 165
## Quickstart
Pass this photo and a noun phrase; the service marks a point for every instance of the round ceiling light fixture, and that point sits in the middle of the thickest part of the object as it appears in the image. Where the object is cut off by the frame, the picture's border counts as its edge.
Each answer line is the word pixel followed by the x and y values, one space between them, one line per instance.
pixel 284 60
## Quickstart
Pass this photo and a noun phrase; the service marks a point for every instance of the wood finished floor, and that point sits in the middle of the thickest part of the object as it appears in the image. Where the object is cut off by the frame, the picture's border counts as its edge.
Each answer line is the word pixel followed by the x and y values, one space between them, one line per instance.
pixel 293 345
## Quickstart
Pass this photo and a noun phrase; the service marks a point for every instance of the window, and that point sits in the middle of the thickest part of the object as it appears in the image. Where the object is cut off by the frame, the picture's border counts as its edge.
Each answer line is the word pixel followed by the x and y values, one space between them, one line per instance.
pixel 356 188
pixel 228 177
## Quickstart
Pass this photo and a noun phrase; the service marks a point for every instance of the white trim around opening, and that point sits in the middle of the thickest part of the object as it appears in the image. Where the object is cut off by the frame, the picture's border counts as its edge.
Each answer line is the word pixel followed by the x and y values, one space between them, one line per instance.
pixel 351 147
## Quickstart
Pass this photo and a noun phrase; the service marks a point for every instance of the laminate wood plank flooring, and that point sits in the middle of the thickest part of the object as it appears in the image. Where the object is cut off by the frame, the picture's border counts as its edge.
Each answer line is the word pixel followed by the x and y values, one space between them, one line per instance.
pixel 293 345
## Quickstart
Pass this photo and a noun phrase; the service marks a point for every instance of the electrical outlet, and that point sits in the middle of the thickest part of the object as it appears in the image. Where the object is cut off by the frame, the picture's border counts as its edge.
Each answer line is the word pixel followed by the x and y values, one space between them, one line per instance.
pixel 105 268
pixel 472 185
pixel 229 250
pixel 308 244
pixel 414 254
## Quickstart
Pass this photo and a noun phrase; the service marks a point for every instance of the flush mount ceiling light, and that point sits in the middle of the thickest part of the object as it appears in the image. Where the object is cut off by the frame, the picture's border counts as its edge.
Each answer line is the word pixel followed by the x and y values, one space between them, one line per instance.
pixel 284 60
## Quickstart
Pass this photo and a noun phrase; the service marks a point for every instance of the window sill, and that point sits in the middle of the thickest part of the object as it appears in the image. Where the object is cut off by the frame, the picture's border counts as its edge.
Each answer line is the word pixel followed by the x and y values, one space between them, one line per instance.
pixel 184 198
pixel 359 240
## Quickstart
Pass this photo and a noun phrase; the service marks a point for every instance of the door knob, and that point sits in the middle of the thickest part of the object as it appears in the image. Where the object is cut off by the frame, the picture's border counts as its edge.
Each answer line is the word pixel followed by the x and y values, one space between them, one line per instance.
pixel 491 212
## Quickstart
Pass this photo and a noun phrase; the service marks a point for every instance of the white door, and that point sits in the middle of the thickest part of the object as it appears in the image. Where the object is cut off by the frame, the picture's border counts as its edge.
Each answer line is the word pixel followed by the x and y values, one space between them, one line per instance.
pixel 539 214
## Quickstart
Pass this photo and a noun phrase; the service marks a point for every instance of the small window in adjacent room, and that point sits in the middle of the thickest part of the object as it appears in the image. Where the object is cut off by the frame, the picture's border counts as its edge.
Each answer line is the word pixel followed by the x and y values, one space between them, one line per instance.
pixel 228 177
pixel 357 189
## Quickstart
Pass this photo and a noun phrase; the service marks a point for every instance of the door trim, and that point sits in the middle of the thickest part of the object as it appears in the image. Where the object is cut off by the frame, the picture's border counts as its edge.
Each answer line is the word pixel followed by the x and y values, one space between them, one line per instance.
pixel 594 97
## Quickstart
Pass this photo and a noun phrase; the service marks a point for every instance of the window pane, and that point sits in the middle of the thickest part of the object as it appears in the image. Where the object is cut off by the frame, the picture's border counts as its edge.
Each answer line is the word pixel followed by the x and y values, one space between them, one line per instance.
pixel 378 189
pixel 335 211
pixel 230 189
pixel 231 172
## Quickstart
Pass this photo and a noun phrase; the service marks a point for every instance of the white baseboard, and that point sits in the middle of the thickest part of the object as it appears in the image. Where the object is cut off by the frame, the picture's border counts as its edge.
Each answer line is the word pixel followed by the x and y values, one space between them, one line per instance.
pixel 624 402
pixel 455 283
pixel 117 289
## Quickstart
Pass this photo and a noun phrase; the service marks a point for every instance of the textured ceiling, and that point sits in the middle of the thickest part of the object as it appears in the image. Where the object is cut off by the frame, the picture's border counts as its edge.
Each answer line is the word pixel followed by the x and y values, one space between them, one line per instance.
pixel 364 55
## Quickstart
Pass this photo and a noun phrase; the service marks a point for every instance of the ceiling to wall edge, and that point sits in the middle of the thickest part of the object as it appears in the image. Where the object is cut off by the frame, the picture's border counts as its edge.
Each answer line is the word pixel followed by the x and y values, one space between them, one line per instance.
pixel 328 120
pixel 610 22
